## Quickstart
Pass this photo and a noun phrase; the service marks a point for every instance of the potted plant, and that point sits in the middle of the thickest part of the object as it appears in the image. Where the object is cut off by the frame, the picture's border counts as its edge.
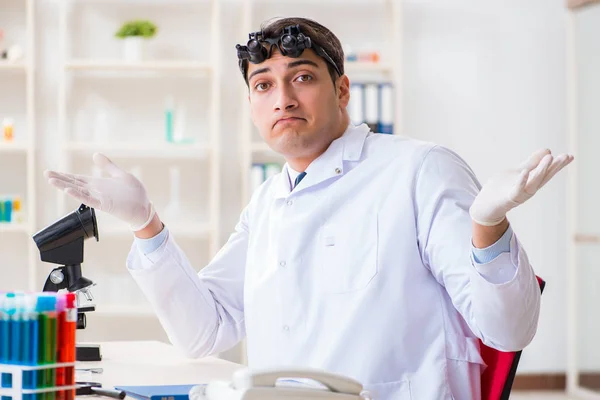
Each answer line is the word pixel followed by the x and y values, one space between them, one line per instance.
pixel 133 34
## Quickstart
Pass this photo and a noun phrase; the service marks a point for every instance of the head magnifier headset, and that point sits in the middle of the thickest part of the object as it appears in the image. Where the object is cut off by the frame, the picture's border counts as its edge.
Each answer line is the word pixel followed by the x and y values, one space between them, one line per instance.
pixel 291 43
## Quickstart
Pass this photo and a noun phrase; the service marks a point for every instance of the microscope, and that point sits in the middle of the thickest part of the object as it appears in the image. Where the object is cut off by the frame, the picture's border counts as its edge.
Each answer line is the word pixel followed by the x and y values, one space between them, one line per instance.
pixel 62 243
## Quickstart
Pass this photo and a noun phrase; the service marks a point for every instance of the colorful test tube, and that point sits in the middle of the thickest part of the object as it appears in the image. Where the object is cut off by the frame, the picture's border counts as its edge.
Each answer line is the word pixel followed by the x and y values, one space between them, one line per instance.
pixel 71 329
pixel 46 308
pixel 9 348
pixel 5 342
pixel 61 320
pixel 30 344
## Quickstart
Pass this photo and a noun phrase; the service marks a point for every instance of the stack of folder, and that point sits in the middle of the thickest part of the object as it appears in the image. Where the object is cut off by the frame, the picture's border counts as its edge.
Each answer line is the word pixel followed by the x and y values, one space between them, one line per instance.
pixel 373 104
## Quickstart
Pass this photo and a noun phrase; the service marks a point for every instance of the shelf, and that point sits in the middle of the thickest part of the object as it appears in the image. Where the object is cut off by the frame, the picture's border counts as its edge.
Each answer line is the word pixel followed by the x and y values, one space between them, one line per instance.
pixel 124 311
pixel 6 147
pixel 157 66
pixel 7 66
pixel 14 227
pixel 189 230
pixel 142 150
pixel 587 239
pixel 354 67
pixel 144 2
pixel 325 2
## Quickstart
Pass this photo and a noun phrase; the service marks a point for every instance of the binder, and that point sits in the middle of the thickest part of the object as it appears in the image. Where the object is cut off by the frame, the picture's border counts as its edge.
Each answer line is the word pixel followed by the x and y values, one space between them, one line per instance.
pixel 372 106
pixel 356 105
pixel 386 108
pixel 158 392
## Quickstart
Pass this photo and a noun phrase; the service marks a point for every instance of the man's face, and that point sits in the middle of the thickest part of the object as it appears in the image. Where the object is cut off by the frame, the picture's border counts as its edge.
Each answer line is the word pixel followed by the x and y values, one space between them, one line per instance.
pixel 295 105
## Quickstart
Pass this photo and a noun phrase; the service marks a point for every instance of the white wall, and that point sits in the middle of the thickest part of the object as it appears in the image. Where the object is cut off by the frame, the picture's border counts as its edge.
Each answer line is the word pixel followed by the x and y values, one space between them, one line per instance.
pixel 484 78
pixel 487 79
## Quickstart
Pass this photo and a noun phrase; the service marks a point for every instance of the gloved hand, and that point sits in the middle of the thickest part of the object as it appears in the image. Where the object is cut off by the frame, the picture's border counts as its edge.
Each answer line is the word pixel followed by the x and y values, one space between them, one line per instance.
pixel 121 194
pixel 513 187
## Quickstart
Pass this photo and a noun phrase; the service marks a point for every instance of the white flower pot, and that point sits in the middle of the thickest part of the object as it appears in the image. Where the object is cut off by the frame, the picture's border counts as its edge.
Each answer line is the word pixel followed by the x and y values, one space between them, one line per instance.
pixel 133 48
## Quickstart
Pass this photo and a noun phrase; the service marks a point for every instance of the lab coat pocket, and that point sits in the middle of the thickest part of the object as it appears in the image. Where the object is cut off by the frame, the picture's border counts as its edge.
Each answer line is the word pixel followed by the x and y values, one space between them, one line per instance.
pixel 464 366
pixel 462 348
pixel 349 250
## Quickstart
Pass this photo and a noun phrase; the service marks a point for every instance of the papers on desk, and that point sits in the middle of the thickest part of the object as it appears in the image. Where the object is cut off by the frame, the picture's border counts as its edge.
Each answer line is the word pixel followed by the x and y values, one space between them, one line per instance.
pixel 158 392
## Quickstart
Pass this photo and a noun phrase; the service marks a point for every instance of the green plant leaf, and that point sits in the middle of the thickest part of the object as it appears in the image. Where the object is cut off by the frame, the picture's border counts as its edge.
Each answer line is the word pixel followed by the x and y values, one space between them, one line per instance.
pixel 143 28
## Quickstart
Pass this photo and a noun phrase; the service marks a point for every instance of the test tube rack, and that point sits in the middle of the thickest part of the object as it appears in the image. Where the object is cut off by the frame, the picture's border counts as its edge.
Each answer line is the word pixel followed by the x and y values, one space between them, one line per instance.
pixel 16 392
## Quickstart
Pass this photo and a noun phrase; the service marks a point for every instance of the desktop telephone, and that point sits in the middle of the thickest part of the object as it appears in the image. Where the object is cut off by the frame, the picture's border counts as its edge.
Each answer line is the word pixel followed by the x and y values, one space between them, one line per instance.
pixel 282 384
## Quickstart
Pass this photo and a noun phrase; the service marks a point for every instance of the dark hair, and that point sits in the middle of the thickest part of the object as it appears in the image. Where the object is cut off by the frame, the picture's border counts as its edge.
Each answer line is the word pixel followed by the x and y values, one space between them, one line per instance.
pixel 318 34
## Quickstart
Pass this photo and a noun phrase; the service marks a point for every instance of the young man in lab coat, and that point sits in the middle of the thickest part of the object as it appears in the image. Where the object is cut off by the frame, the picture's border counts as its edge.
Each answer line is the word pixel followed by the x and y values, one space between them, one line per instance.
pixel 373 256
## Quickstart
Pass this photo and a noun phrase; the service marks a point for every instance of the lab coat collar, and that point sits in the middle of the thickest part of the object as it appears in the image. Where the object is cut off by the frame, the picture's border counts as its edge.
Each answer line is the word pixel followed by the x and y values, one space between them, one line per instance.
pixel 329 164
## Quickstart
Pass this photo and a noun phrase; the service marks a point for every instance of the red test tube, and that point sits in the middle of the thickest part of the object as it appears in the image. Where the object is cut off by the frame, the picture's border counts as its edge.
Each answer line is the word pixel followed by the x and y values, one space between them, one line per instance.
pixel 62 344
pixel 69 344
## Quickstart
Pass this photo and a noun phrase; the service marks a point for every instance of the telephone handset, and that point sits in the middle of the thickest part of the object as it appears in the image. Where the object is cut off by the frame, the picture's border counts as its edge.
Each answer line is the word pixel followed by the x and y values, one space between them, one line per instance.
pixel 282 384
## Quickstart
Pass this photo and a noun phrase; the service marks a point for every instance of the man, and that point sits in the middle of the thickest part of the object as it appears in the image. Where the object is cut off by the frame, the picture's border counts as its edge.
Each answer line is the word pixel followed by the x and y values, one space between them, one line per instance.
pixel 370 255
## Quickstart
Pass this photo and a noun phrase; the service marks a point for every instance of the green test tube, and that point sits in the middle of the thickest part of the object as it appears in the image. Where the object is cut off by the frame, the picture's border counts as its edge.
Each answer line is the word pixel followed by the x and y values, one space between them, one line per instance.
pixel 46 308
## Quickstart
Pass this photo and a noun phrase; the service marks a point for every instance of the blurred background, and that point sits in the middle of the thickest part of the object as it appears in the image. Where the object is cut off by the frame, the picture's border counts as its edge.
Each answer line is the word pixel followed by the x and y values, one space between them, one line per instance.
pixel 155 85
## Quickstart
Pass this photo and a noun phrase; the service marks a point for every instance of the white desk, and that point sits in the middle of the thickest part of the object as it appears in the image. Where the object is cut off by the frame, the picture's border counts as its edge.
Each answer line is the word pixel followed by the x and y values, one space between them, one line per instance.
pixel 152 363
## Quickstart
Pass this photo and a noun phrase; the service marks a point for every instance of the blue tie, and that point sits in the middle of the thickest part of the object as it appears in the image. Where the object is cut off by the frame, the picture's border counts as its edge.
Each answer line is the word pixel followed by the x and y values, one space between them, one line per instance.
pixel 299 178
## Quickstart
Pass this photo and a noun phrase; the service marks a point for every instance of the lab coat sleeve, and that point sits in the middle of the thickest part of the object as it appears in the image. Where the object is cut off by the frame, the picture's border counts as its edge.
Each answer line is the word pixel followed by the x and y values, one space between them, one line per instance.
pixel 202 313
pixel 499 300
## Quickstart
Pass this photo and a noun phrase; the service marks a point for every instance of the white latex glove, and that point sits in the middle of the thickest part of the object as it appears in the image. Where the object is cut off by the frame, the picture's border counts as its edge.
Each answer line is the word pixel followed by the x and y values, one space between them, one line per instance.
pixel 513 187
pixel 121 194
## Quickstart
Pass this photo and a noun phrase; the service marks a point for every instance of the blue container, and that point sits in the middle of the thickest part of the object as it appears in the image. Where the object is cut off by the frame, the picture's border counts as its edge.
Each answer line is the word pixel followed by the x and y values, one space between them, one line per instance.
pixel 5 210
pixel 8 210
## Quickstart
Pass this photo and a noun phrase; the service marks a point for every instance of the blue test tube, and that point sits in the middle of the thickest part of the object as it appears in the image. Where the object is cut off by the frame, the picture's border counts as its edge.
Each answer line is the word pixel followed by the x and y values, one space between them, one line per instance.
pixel 30 344
pixel 8 309
pixel 3 335
pixel 4 339
pixel 16 314
pixel 16 327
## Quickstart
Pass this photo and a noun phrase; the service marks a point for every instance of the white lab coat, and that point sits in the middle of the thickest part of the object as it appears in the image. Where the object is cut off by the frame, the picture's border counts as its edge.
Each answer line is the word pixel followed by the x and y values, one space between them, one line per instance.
pixel 364 269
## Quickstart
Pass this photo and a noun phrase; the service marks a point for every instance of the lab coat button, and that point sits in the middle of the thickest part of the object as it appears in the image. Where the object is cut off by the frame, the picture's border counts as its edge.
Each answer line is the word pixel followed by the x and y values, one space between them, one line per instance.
pixel 286 328
pixel 338 171
pixel 282 263
pixel 290 202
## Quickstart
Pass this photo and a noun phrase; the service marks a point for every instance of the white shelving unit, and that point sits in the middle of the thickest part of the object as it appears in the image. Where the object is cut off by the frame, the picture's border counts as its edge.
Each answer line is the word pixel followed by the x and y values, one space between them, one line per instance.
pixel 7 147
pixel 157 66
pixel 17 66
pixel 204 152
pixel 252 148
pixel 24 148
pixel 17 227
pixel 142 150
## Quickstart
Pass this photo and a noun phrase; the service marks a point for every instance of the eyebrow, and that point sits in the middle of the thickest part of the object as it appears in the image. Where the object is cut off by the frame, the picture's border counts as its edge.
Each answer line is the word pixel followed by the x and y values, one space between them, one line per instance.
pixel 259 71
pixel 296 63
pixel 292 64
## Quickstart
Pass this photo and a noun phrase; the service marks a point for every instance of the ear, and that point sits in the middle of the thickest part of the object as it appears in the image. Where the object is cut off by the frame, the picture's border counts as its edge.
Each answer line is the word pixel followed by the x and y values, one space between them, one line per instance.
pixel 343 90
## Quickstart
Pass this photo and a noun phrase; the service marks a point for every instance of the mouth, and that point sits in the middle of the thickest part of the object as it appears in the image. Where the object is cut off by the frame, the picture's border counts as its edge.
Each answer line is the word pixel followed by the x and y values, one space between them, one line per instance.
pixel 290 120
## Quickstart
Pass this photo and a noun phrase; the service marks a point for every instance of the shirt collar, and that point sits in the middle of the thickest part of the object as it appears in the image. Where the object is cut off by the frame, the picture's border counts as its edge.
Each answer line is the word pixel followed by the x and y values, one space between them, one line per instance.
pixel 292 175
pixel 330 164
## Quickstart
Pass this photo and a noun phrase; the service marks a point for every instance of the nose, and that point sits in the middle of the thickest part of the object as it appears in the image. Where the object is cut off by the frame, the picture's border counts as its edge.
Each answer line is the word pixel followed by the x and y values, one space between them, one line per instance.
pixel 286 100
